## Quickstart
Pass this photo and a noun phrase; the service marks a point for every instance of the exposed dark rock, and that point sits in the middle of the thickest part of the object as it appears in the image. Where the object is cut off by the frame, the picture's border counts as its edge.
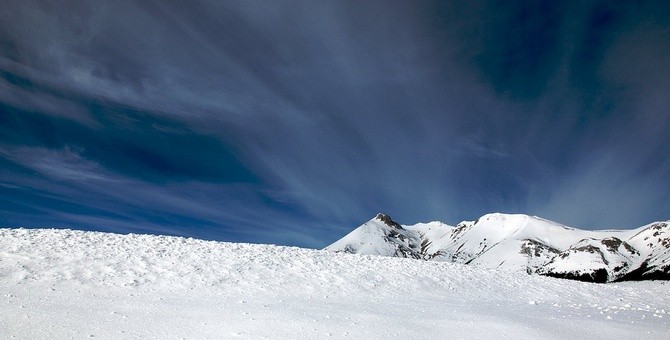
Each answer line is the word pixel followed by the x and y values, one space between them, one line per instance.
pixel 388 221
pixel 612 243
pixel 425 243
pixel 534 248
pixel 460 228
pixel 630 249
pixel 644 272
pixel 598 276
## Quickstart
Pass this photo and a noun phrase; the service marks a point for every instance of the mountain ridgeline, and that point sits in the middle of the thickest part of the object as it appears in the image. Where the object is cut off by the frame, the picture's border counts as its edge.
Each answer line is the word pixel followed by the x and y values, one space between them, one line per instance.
pixel 521 242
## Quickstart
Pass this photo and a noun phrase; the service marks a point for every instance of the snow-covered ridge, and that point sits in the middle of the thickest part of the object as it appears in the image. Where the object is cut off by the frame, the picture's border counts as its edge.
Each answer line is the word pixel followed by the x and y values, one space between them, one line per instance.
pixel 524 243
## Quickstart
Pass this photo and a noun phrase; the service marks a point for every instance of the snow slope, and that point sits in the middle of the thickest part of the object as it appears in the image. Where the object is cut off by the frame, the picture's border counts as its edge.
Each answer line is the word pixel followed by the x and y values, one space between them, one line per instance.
pixel 74 284
pixel 521 243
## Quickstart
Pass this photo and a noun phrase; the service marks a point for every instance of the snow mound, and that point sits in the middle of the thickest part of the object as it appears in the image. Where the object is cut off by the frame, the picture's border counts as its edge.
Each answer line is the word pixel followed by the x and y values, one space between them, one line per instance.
pixel 73 284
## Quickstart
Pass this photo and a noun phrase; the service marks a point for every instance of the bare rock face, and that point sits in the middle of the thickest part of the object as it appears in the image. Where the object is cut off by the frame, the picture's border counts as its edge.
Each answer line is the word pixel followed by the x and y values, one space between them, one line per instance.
pixel 388 221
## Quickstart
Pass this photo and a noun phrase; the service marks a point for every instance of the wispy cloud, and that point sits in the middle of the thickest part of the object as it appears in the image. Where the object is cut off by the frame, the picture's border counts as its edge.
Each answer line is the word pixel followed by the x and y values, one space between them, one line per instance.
pixel 323 114
pixel 75 192
pixel 55 164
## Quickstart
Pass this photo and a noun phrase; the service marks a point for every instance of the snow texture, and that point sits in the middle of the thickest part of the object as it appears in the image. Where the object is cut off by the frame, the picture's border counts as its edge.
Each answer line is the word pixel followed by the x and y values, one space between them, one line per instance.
pixel 521 243
pixel 73 284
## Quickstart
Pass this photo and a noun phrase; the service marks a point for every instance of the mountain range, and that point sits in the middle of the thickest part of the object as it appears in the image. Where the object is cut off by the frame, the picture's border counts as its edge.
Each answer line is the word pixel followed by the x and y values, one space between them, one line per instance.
pixel 524 243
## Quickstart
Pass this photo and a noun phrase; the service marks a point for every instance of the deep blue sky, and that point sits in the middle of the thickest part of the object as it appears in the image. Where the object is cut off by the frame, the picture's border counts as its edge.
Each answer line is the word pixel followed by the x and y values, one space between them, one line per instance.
pixel 292 122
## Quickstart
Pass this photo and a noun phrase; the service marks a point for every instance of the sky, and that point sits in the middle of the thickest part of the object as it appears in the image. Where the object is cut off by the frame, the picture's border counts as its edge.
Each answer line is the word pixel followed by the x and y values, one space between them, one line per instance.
pixel 293 122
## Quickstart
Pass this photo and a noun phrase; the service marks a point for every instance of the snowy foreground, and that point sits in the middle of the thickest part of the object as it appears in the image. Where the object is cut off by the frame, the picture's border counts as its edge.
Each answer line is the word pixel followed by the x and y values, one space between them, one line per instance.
pixel 73 284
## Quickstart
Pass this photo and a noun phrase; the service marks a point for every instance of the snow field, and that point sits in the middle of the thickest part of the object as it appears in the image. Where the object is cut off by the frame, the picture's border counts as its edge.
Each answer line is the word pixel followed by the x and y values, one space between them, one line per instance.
pixel 73 284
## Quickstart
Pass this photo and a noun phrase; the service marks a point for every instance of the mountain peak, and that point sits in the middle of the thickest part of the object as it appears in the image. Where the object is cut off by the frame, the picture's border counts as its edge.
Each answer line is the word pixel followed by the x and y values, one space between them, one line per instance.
pixel 388 221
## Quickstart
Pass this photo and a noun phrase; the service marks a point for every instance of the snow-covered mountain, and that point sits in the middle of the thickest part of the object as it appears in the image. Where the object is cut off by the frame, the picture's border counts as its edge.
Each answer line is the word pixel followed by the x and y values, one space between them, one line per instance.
pixel 521 242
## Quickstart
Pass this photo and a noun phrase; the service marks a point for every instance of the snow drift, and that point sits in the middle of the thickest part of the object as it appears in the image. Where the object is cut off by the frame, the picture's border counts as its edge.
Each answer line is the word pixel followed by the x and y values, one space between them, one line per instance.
pixel 63 284
pixel 522 243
